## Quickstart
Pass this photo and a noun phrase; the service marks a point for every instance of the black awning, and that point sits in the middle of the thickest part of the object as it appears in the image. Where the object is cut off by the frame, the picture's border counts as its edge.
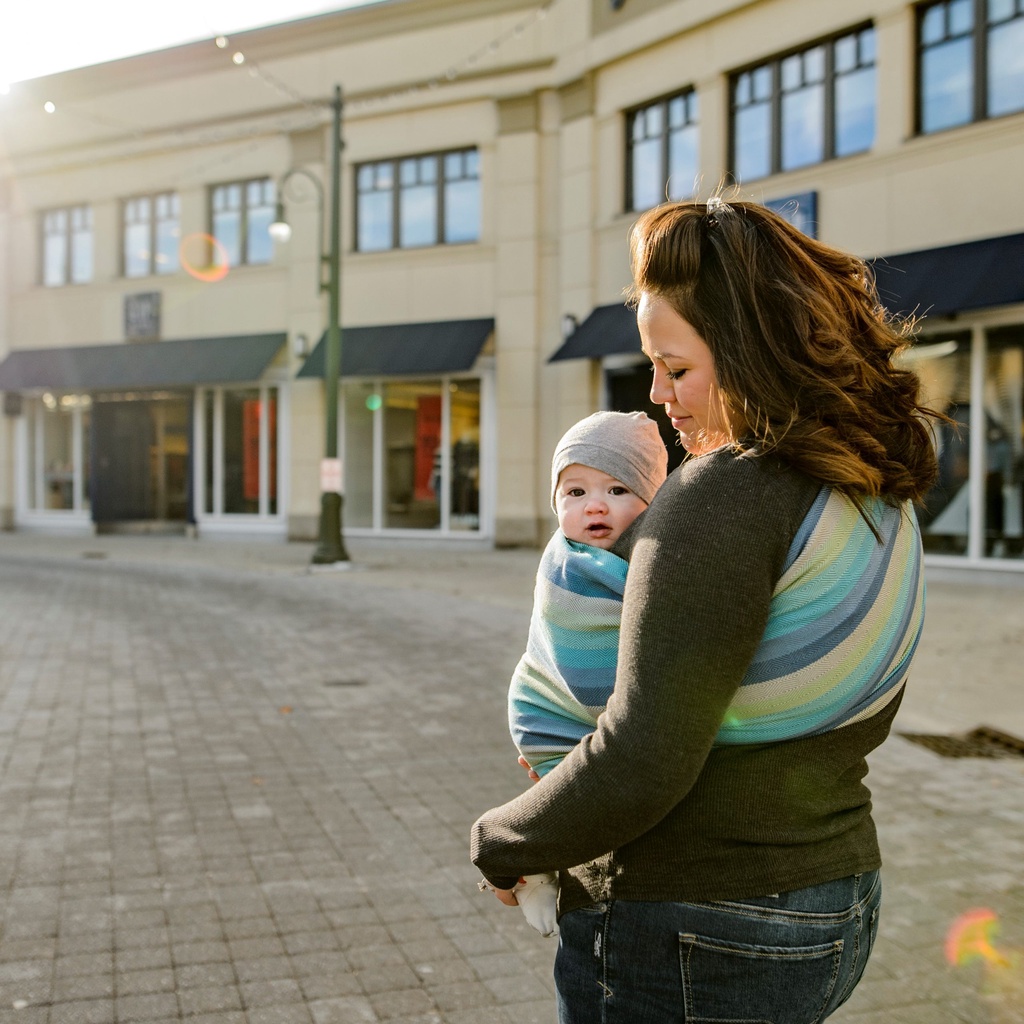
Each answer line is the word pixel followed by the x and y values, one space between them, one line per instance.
pixel 391 350
pixel 608 331
pixel 157 364
pixel 952 278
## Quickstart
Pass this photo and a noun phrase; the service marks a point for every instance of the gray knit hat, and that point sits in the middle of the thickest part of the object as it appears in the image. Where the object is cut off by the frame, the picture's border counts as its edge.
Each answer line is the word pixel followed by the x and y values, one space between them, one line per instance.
pixel 625 445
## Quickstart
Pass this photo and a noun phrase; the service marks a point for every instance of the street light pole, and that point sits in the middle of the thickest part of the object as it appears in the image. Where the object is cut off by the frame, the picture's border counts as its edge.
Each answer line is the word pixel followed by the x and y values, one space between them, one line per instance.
pixel 330 549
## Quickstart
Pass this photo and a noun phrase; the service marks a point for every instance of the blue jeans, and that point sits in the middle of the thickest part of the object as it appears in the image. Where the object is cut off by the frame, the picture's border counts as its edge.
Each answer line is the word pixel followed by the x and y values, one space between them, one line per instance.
pixel 790 958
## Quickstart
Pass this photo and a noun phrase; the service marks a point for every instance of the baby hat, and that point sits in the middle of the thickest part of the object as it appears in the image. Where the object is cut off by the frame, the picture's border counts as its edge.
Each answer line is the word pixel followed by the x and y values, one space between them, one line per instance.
pixel 625 445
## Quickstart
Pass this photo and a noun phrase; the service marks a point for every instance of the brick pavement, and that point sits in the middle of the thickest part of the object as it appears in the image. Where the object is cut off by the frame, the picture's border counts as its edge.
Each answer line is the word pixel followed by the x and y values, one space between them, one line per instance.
pixel 232 792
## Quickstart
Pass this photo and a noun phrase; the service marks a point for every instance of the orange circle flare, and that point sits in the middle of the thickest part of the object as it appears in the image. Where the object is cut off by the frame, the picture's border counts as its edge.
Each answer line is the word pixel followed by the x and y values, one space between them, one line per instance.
pixel 970 938
pixel 213 263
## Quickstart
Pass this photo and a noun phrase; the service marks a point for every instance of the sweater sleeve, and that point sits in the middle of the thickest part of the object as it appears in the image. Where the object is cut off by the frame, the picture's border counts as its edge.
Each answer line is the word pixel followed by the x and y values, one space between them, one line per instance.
pixel 704 560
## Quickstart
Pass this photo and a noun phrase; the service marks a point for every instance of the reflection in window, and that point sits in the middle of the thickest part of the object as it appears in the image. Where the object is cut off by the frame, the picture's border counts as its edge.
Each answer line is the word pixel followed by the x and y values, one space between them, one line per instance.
pixel 58 449
pixel 1004 448
pixel 661 142
pixel 806 107
pixel 240 451
pixel 418 201
pixel 240 218
pixel 151 234
pixel 944 365
pixel 412 463
pixel 464 397
pixel 970 61
pixel 360 401
pixel 67 246
pixel 412 454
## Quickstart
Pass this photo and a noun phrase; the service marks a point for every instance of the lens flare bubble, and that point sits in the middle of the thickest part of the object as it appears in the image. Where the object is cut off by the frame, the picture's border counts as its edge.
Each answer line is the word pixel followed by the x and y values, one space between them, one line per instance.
pixel 374 402
pixel 971 937
pixel 203 268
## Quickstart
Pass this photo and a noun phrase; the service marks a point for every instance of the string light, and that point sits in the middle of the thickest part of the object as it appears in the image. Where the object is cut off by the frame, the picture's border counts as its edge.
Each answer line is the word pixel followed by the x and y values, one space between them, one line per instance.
pixel 318 109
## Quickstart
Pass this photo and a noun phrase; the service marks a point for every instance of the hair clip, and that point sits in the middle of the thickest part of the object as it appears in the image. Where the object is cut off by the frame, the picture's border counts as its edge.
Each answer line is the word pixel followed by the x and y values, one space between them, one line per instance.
pixel 714 206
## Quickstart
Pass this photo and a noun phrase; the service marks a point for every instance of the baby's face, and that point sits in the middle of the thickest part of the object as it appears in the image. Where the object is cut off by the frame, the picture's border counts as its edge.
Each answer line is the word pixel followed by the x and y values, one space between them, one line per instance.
pixel 593 507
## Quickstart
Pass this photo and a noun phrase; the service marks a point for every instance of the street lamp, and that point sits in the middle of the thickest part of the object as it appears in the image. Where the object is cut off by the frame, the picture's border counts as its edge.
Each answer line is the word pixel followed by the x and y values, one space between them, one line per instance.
pixel 330 548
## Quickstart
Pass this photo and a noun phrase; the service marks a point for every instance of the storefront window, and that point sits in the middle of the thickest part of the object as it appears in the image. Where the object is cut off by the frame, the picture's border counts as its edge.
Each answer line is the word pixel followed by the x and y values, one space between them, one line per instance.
pixel 412 454
pixel 58 447
pixel 361 400
pixel 240 451
pixel 1004 448
pixel 944 364
pixel 464 396
pixel 412 446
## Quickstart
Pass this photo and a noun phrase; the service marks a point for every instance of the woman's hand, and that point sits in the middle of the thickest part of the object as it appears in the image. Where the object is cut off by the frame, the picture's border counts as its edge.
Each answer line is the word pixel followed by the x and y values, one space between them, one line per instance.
pixel 529 771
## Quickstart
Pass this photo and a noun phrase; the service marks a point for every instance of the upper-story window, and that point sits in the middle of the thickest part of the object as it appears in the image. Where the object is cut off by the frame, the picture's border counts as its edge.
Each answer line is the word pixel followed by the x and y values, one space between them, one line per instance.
pixel 241 213
pixel 67 246
pixel 661 147
pixel 805 107
pixel 418 201
pixel 969 61
pixel 152 234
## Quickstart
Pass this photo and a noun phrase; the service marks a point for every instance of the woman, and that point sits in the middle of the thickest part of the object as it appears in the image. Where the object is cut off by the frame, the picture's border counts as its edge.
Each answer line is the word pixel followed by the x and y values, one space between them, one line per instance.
pixel 713 836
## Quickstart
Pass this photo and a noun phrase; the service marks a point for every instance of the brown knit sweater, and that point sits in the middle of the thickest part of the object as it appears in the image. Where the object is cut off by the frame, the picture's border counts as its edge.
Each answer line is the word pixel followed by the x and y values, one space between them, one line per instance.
pixel 646 808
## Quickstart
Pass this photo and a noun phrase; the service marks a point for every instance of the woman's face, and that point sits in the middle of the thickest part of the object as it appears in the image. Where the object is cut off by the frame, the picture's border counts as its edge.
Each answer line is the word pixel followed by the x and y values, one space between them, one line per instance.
pixel 684 376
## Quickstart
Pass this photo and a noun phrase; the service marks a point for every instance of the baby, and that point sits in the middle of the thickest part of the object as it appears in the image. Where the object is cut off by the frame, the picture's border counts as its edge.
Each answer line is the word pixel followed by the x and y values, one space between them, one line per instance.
pixel 604 473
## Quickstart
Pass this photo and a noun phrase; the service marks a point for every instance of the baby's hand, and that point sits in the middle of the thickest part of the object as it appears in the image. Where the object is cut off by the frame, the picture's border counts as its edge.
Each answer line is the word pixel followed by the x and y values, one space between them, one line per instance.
pixel 529 771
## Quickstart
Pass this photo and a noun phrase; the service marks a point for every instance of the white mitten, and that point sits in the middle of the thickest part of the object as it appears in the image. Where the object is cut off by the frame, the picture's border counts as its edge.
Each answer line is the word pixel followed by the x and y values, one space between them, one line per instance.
pixel 538 896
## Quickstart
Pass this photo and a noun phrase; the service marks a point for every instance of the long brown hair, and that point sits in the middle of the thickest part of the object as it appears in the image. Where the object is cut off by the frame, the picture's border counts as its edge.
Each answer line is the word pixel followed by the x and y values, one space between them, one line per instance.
pixel 803 350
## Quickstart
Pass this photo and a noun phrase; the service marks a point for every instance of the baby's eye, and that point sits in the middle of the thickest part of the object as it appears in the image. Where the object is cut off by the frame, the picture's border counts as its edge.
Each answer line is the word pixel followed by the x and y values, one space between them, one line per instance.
pixel 575 492
pixel 619 490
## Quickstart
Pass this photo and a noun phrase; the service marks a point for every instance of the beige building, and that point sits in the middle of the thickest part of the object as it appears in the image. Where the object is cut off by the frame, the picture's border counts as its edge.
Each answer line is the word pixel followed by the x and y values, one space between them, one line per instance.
pixel 162 360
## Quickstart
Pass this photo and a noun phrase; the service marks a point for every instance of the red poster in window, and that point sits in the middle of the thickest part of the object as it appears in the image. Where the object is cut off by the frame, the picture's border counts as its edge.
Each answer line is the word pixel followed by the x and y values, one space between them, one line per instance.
pixel 428 443
pixel 251 449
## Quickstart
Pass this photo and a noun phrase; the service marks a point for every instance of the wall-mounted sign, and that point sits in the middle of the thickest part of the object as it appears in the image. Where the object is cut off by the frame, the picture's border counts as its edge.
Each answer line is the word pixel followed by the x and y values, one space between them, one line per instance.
pixel 142 317
pixel 800 209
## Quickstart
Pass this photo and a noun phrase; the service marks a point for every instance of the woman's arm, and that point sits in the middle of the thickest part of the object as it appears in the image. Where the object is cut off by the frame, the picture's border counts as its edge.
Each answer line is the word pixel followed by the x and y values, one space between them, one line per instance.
pixel 704 562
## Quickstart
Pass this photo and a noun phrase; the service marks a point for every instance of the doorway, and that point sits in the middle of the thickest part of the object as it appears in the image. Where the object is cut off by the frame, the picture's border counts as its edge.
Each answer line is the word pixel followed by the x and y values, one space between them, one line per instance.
pixel 141 462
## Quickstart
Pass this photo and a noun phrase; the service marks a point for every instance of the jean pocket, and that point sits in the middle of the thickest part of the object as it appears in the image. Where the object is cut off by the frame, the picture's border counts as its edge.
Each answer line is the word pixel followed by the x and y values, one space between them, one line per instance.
pixel 727 981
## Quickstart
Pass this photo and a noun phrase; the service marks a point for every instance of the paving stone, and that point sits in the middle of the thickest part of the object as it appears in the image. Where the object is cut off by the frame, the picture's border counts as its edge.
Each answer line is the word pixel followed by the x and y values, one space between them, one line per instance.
pixel 269 862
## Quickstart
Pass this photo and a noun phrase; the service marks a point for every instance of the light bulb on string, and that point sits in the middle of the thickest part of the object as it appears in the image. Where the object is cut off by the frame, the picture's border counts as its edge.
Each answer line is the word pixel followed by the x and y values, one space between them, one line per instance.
pixel 49 107
pixel 238 58
pixel 221 41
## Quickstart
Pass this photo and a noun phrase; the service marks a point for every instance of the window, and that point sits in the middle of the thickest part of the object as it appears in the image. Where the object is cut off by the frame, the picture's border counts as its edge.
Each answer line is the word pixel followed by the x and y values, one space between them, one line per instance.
pixel 418 201
pixel 976 506
pixel 67 246
pixel 57 453
pixel 152 233
pixel 661 146
pixel 805 107
pixel 411 454
pixel 239 444
pixel 240 218
pixel 970 63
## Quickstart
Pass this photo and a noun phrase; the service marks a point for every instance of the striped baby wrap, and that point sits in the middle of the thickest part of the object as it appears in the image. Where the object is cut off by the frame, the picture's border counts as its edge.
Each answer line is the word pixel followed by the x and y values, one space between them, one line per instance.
pixel 566 676
pixel 844 622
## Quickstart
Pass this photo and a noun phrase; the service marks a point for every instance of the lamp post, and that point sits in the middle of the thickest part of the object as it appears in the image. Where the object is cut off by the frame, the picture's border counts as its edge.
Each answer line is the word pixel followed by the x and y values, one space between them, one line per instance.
pixel 330 549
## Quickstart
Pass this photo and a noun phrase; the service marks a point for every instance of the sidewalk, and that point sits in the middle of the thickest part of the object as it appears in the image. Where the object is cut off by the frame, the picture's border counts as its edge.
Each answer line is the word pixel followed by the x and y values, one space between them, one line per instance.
pixel 237 792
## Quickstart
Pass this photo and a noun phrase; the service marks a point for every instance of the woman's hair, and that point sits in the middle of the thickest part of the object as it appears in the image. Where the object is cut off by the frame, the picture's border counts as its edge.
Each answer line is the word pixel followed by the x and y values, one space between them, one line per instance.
pixel 803 350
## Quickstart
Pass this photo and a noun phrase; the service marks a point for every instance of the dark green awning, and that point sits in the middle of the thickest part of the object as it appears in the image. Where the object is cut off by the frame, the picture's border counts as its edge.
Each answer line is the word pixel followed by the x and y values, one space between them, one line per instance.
pixel 608 331
pixel 391 350
pixel 157 364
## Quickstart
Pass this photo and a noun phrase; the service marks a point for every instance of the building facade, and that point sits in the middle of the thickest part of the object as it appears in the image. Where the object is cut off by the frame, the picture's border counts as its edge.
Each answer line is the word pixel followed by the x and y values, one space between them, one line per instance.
pixel 163 357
